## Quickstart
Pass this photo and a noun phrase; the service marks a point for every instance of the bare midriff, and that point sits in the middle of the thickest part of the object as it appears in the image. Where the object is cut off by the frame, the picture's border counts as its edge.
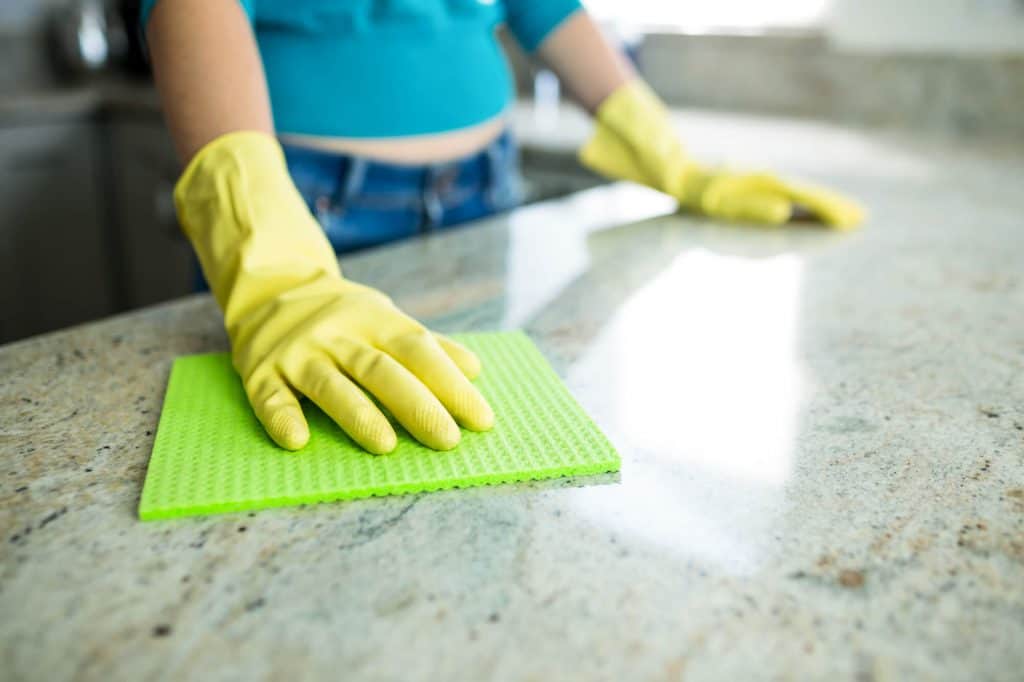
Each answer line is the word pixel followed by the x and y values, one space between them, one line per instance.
pixel 412 149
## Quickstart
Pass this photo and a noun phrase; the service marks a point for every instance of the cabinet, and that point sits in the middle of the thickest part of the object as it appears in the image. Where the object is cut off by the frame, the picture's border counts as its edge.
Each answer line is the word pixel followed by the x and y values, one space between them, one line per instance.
pixel 87 220
pixel 56 250
pixel 157 261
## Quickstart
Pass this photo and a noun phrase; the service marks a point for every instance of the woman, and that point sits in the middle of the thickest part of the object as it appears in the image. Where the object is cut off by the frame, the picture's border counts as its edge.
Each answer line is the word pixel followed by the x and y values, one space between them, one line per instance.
pixel 390 113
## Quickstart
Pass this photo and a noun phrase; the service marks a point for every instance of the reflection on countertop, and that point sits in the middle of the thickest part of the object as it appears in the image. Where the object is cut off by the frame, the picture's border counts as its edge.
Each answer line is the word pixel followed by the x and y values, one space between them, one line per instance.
pixel 822 438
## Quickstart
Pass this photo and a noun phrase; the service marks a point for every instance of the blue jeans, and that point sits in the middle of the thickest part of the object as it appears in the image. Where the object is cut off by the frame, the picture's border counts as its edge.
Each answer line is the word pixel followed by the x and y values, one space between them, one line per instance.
pixel 361 203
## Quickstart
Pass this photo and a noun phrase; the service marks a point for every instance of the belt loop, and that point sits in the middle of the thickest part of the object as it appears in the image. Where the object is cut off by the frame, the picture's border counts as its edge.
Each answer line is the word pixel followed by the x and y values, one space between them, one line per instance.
pixel 502 190
pixel 495 157
pixel 432 209
pixel 352 179
pixel 340 179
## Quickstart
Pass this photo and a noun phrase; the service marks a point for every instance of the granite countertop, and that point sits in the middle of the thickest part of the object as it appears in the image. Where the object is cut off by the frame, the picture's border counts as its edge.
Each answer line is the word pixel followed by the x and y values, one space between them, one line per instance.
pixel 822 438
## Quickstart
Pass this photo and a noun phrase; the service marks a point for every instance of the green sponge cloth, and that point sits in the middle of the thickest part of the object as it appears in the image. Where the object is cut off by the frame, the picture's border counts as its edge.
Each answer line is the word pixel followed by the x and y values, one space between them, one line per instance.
pixel 211 454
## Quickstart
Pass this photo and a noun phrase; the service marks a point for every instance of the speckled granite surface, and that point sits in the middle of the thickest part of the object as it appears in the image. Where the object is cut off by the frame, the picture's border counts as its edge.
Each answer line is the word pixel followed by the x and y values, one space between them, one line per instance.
pixel 822 440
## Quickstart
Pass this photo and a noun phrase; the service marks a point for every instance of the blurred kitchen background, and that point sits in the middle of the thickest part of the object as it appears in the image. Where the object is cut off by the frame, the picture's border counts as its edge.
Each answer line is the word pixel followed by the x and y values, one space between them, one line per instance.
pixel 87 225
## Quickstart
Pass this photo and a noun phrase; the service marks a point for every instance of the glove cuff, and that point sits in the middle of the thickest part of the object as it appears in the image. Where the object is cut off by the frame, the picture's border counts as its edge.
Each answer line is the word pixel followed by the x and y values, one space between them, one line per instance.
pixel 647 141
pixel 249 226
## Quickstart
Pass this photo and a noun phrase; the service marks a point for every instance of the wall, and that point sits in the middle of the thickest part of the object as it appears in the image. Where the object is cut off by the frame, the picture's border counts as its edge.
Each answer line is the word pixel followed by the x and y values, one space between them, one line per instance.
pixel 24 51
pixel 18 16
pixel 946 26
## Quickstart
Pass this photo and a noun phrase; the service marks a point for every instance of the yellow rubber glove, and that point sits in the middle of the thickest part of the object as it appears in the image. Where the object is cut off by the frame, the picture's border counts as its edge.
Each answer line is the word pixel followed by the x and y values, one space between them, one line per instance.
pixel 298 327
pixel 634 140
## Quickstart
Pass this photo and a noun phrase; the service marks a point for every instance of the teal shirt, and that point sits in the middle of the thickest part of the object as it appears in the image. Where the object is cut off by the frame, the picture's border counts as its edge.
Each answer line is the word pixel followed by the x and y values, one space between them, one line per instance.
pixel 387 68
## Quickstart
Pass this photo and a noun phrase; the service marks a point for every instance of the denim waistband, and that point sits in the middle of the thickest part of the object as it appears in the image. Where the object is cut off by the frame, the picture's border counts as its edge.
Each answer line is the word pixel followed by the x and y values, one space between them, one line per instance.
pixel 341 178
pixel 361 202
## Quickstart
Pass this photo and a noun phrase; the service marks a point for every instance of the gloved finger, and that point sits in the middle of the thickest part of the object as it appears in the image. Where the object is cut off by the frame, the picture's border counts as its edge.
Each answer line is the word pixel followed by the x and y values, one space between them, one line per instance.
pixel 420 352
pixel 412 403
pixel 321 381
pixel 278 410
pixel 765 209
pixel 830 207
pixel 746 199
pixel 464 358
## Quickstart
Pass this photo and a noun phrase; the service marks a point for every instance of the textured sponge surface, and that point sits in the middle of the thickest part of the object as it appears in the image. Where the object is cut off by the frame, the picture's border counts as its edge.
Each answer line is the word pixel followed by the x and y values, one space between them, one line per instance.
pixel 211 454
